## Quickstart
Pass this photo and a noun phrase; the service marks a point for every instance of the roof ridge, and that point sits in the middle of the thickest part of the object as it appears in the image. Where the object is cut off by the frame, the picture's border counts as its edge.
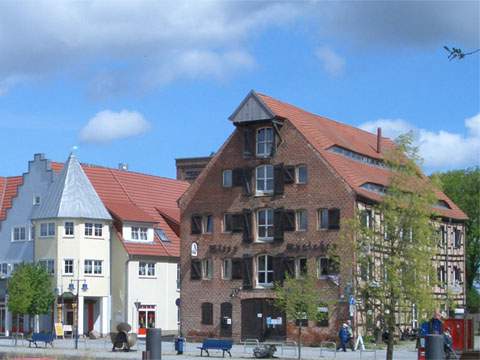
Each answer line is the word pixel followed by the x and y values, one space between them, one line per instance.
pixel 123 187
pixel 322 117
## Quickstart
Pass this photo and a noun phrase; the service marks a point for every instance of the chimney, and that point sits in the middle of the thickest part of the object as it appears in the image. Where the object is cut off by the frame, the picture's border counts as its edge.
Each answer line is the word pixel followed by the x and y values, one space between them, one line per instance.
pixel 123 166
pixel 379 140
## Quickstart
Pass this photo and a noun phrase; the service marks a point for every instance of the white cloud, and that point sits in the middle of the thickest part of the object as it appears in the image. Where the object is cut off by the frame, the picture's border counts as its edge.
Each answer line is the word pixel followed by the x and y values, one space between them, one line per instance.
pixel 108 125
pixel 440 150
pixel 332 63
pixel 164 39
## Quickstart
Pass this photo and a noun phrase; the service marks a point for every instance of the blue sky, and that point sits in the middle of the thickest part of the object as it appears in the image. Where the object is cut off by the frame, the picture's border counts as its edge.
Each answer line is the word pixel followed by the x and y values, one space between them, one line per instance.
pixel 148 82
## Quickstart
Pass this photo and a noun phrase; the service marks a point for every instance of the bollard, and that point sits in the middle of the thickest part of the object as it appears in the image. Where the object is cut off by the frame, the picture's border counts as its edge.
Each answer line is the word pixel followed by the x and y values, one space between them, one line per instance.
pixel 154 344
pixel 434 347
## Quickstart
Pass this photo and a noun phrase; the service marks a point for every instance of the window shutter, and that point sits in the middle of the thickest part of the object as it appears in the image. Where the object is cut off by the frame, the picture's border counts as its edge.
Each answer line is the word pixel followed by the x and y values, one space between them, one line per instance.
pixel 278 224
pixel 289 220
pixel 247 272
pixel 196 224
pixel 247 181
pixel 237 177
pixel 237 269
pixel 196 270
pixel 248 142
pixel 289 266
pixel 289 174
pixel 274 143
pixel 278 179
pixel 334 219
pixel 228 222
pixel 278 269
pixel 207 313
pixel 247 226
pixel 237 223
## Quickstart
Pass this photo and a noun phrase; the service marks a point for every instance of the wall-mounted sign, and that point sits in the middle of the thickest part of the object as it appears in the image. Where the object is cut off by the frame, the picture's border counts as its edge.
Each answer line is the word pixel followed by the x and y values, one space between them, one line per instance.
pixel 259 315
pixel 194 249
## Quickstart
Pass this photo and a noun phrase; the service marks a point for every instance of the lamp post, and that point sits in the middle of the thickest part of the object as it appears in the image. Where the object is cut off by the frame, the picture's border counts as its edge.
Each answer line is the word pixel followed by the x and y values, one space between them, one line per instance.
pixel 71 288
pixel 137 306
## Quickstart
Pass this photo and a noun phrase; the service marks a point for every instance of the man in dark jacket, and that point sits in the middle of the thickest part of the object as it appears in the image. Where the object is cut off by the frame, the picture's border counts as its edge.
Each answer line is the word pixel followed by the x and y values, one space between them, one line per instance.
pixel 343 337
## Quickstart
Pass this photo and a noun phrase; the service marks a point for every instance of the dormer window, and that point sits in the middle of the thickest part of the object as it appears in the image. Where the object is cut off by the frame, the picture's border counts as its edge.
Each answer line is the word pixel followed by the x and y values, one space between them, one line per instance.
pixel 139 233
pixel 265 142
pixel 36 200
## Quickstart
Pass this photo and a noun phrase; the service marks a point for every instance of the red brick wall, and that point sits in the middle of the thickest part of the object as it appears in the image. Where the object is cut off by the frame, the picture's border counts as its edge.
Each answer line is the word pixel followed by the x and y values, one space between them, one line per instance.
pixel 323 190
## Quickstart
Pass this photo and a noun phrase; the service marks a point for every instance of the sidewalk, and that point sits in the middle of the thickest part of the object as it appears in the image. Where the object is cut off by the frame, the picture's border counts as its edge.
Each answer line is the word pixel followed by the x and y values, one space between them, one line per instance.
pixel 101 349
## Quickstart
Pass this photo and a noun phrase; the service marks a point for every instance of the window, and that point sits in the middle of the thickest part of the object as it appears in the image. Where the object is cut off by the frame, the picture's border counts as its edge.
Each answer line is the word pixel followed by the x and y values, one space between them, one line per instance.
pixel 328 219
pixel 327 266
pixel 146 268
pixel 265 224
pixel 227 178
pixel 88 229
pixel 207 313
pixel 47 229
pixel 196 224
pixel 227 223
pixel 93 267
pixel 51 229
pixel 441 275
pixel 179 273
pixel 301 174
pixel 301 267
pixel 366 218
pixel 264 179
pixel 4 269
pixel 143 233
pixel 322 316
pixel 265 141
pixel 207 225
pixel 139 233
pixel 68 267
pixel 36 200
pixel 32 232
pixel 302 220
pixel 227 269
pixel 161 234
pixel 443 234
pixel 357 157
pixel 323 218
pixel 207 269
pixel 69 228
pixel 48 265
pixel 457 238
pixel 98 230
pixel 456 276
pixel 19 233
pixel 265 270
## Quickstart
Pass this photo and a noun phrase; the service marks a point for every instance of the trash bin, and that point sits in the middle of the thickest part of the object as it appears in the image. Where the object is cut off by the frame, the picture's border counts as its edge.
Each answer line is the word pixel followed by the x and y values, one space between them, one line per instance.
pixel 434 347
pixel 179 345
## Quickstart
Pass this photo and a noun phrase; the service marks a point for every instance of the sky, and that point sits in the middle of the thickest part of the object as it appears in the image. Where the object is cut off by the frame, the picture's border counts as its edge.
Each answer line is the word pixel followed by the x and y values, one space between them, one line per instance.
pixel 146 82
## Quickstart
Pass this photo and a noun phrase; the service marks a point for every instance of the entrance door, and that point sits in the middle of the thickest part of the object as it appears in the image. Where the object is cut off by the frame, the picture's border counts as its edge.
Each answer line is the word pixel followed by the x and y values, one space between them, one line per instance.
pixel 226 319
pixel 146 319
pixel 90 311
pixel 262 320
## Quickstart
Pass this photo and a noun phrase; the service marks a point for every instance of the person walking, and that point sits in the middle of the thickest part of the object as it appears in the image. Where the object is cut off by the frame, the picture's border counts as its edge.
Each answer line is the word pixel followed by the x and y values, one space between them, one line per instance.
pixel 350 339
pixel 343 336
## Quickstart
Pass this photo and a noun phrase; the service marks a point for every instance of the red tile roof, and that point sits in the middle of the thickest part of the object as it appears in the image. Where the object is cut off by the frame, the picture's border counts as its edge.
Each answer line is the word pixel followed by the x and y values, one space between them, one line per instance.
pixel 132 196
pixel 323 133
pixel 8 190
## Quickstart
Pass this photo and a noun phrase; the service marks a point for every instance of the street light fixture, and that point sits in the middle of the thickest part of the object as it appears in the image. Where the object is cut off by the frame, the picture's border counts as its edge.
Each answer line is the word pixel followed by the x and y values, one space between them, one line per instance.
pixel 72 287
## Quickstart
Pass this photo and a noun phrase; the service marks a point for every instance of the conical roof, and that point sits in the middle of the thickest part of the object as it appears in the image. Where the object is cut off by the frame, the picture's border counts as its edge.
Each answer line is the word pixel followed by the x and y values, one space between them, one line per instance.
pixel 71 195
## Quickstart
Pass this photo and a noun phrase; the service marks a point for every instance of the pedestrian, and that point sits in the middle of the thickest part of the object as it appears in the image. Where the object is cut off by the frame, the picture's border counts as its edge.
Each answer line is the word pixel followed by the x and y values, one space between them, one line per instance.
pixel 350 339
pixel 343 337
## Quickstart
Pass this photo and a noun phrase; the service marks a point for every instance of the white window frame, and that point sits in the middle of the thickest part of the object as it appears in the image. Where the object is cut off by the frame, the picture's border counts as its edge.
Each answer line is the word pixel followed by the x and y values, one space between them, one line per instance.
pixel 98 230
pixel 4 269
pixel 65 266
pixel 319 219
pixel 36 200
pixel 266 226
pixel 139 233
pixel 88 229
pixel 146 269
pixel 19 230
pixel 207 269
pixel 48 265
pixel 262 179
pixel 297 174
pixel 227 269
pixel 227 178
pixel 205 224
pixel 298 267
pixel 266 145
pixel 266 271
pixel 65 227
pixel 297 219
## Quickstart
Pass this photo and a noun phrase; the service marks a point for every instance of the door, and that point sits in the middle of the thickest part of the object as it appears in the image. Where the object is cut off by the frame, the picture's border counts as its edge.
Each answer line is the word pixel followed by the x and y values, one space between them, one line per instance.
pixel 146 320
pixel 226 319
pixel 90 311
pixel 262 320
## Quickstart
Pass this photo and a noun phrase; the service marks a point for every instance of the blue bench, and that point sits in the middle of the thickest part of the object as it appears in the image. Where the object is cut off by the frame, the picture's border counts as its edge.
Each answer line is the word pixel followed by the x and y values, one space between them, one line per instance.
pixel 216 344
pixel 46 338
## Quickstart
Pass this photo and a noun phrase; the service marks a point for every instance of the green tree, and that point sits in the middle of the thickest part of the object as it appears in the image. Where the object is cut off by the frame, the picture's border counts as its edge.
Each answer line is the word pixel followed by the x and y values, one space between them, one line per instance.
pixel 395 244
pixel 299 299
pixel 30 291
pixel 20 293
pixel 463 187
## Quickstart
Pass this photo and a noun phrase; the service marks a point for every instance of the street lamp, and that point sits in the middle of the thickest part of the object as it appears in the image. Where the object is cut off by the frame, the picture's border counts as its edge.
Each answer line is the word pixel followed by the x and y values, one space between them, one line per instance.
pixel 71 288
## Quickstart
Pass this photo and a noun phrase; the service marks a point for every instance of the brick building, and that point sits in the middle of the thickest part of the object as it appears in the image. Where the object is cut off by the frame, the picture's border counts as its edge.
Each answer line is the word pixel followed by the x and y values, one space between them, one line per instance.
pixel 270 202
